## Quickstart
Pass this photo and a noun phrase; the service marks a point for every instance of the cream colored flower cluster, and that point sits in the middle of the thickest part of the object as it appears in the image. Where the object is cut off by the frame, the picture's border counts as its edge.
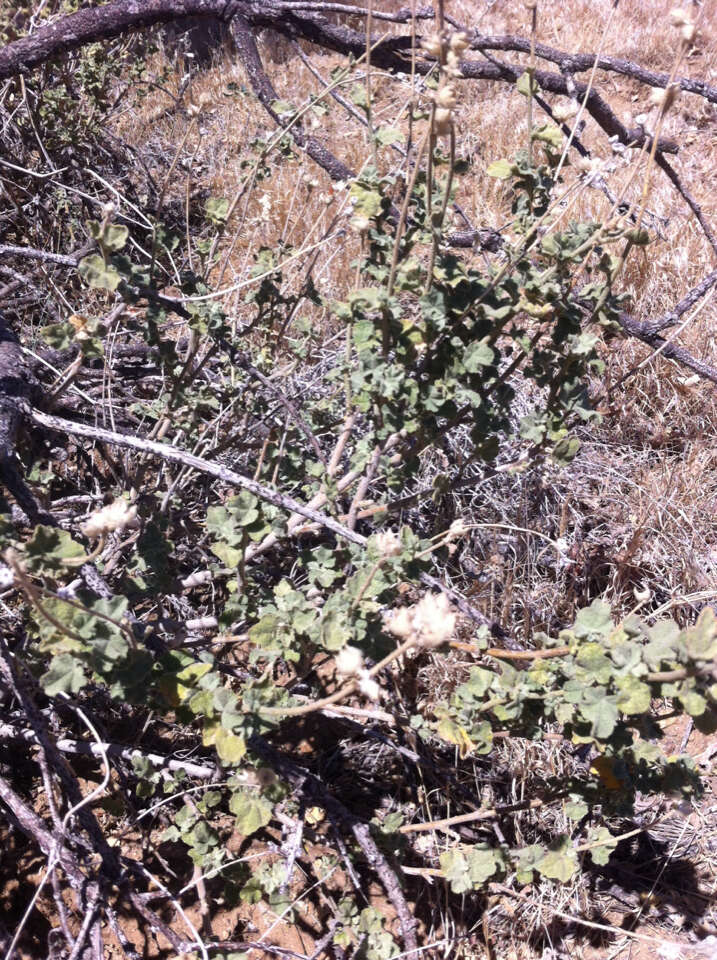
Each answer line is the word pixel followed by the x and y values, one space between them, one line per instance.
pixel 116 516
pixel 349 663
pixel 448 50
pixel 682 19
pixel 429 623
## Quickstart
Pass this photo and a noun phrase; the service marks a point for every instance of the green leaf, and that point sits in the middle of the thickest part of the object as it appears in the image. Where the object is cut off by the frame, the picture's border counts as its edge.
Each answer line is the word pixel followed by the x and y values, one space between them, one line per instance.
pixel 565 451
pixel 96 273
pixel 388 135
pixel 115 236
pixel 216 210
pixel 527 84
pixel 283 108
pixel 49 547
pixel 601 712
pixel 593 660
pixel 701 640
pixel 230 748
pixel 478 355
pixel 634 695
pixel 251 810
pixel 528 860
pixel 549 134
pixel 693 702
pixel 358 96
pixel 638 237
pixel 593 620
pixel 65 675
pixel 466 868
pixel 335 630
pixel 501 169
pixel 606 844
pixel 560 862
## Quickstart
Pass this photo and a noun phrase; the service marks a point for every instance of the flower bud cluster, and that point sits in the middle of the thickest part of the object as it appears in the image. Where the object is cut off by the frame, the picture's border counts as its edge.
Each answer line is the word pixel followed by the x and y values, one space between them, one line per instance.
pixel 116 516
pixel 429 623
pixel 387 544
pixel 448 50
pixel 349 663
pixel 664 97
pixel 682 19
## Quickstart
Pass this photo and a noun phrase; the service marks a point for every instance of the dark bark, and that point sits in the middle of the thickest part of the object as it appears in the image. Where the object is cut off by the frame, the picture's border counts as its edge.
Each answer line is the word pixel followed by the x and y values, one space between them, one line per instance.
pixel 104 23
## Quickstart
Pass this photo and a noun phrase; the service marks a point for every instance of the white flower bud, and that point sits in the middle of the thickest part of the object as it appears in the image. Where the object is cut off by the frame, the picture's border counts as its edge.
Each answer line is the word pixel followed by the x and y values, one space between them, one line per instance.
pixel 108 210
pixel 564 111
pixel 368 686
pixel 664 98
pixel 400 624
pixel 349 661
pixel 642 596
pixel 387 544
pixel 434 620
pixel 118 515
pixel 7 577
pixel 459 43
pixel 432 44
pixel 442 121
pixel 679 17
pixel 360 224
pixel 446 97
pixel 453 65
pixel 688 32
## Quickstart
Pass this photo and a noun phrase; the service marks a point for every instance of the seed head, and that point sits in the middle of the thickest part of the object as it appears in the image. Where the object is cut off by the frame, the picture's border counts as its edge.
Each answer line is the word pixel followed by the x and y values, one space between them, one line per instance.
pixel 401 623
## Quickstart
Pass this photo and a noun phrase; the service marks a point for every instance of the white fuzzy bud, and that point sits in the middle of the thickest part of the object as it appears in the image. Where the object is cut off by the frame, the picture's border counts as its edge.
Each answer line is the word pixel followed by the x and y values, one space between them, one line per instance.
pixel 7 577
pixel 664 97
pixel 432 44
pixel 564 111
pixel 446 97
pixel 642 596
pixel 679 17
pixel 459 528
pixel 349 661
pixel 434 620
pixel 387 544
pixel 368 686
pixel 400 624
pixel 688 32
pixel 453 65
pixel 118 515
pixel 442 122
pixel 459 43
pixel 360 224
